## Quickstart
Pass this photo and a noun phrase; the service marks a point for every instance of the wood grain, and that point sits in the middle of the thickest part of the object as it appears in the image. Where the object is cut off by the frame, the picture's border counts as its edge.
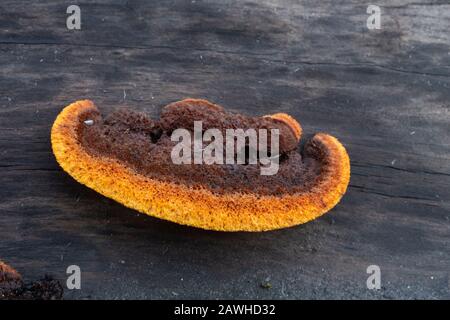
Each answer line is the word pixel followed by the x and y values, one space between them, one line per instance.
pixel 384 93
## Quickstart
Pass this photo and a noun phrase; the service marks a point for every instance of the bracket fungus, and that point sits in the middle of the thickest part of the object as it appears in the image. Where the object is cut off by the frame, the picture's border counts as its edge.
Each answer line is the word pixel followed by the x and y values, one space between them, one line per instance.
pixel 126 156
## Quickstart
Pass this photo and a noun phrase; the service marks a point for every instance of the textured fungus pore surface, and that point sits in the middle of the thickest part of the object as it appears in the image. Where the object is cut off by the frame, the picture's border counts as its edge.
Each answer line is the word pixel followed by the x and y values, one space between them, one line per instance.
pixel 127 156
pixel 145 145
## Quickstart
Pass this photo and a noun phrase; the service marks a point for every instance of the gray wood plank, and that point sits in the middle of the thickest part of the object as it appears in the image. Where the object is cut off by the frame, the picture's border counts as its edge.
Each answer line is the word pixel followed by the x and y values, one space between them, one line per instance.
pixel 385 94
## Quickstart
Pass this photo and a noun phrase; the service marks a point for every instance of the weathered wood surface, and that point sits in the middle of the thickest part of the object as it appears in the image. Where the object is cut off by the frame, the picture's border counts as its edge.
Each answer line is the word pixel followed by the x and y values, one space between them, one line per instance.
pixel 385 94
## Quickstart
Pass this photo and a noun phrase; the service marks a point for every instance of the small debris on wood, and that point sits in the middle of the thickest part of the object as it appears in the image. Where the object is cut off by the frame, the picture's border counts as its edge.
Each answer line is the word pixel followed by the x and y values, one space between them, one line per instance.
pixel 12 286
pixel 266 284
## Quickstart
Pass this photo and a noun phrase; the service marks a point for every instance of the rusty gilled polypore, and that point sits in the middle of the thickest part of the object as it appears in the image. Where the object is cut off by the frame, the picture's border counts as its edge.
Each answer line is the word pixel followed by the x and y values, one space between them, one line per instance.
pixel 126 156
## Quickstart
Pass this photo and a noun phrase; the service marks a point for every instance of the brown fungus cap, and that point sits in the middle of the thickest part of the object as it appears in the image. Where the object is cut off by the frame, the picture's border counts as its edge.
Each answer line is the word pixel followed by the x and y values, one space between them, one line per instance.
pixel 182 114
pixel 7 273
pixel 126 157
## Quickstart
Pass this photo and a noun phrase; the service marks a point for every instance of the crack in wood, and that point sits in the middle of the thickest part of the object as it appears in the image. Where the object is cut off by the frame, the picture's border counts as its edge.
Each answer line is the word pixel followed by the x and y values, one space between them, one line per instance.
pixel 248 55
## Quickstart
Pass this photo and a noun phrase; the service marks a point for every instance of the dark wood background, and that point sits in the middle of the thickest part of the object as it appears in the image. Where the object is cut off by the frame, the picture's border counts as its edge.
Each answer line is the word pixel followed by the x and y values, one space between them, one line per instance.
pixel 384 93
